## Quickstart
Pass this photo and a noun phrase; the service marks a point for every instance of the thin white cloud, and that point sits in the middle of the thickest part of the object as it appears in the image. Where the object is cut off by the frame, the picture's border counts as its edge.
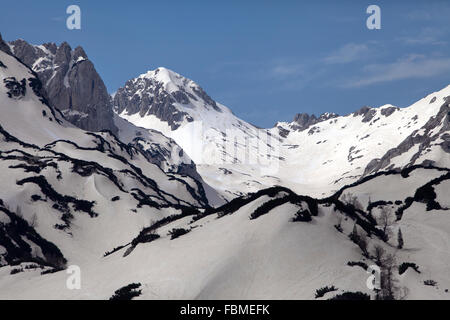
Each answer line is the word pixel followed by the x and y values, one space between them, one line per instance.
pixel 411 67
pixel 288 70
pixel 419 15
pixel 436 12
pixel 427 36
pixel 348 53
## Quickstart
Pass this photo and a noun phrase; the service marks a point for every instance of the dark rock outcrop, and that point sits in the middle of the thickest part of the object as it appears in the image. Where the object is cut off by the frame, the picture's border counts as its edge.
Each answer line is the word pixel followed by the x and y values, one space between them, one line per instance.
pixel 4 46
pixel 148 95
pixel 16 89
pixel 424 138
pixel 71 82
pixel 366 112
pixel 303 121
pixel 388 111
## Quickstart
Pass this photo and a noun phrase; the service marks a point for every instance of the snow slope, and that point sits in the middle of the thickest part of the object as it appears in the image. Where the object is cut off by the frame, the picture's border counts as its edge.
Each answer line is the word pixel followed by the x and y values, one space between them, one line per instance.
pixel 129 213
pixel 73 185
pixel 236 157
pixel 229 253
pixel 209 132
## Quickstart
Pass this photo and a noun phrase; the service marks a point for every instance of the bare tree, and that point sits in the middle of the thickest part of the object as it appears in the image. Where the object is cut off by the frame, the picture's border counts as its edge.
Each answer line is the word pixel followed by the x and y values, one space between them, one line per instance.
pixel 379 255
pixel 360 240
pixel 352 200
pixel 400 239
pixel 354 236
pixel 389 284
pixel 386 219
pixel 362 243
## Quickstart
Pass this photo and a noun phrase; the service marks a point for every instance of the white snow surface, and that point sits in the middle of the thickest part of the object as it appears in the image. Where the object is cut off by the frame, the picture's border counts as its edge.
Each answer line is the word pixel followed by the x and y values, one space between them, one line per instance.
pixel 339 148
pixel 221 257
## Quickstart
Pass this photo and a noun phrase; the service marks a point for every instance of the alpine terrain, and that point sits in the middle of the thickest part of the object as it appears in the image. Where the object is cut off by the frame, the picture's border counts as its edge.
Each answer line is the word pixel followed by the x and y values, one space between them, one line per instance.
pixel 160 192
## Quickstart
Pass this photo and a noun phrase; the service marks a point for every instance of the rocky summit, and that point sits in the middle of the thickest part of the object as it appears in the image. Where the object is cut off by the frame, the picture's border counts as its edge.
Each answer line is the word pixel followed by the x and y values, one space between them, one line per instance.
pixel 71 82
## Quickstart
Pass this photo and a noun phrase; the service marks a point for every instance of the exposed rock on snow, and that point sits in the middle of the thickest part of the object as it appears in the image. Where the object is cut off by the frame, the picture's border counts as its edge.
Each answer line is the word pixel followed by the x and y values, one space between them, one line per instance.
pixel 71 82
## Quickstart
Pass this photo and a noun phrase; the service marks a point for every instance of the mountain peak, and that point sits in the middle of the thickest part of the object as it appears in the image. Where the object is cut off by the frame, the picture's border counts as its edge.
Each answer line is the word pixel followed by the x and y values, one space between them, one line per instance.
pixel 304 120
pixel 170 80
pixel 167 95
pixel 73 87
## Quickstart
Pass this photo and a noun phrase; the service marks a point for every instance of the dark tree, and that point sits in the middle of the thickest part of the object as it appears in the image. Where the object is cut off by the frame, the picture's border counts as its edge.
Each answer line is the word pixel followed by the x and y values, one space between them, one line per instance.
pixel 400 239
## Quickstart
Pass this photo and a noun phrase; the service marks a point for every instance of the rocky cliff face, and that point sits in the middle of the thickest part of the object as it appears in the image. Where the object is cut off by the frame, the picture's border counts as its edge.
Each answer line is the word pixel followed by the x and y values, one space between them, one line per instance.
pixel 164 94
pixel 424 146
pixel 303 121
pixel 71 82
pixel 4 46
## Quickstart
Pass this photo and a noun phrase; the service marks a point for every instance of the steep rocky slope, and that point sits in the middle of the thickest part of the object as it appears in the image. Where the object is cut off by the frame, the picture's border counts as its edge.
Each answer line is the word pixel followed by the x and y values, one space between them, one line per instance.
pixel 71 82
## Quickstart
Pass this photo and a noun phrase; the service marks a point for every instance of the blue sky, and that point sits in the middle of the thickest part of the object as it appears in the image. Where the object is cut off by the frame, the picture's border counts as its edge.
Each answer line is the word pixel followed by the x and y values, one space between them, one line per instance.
pixel 266 60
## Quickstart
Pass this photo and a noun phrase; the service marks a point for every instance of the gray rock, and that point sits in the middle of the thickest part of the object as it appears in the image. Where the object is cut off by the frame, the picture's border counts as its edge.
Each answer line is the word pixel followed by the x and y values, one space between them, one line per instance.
pixel 283 132
pixel 303 121
pixel 4 46
pixel 71 82
pixel 388 111
pixel 147 96
pixel 424 141
pixel 367 113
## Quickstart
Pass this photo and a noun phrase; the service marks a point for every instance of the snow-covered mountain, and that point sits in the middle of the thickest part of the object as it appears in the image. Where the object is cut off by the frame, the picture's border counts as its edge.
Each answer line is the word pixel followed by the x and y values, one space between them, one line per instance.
pixel 236 157
pixel 66 186
pixel 179 108
pixel 208 131
pixel 71 84
pixel 133 213
pixel 344 148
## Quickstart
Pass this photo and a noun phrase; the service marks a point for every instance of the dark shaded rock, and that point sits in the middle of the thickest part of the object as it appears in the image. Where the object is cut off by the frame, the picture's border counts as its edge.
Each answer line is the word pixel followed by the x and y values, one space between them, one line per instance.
pixel 202 94
pixel 303 121
pixel 154 101
pixel 147 95
pixel 424 140
pixel 388 111
pixel 362 112
pixel 405 265
pixel 16 89
pixel 16 238
pixel 367 113
pixel 71 82
pixel 128 292
pixel 4 46
pixel 283 132
pixel 177 232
